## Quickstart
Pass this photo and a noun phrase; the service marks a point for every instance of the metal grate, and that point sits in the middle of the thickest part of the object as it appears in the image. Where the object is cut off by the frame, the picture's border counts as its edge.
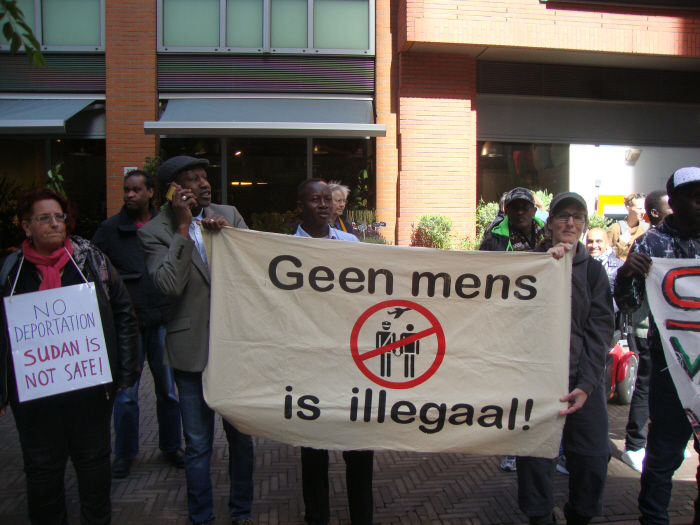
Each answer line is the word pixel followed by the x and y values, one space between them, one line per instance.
pixel 598 83
pixel 187 73
pixel 67 73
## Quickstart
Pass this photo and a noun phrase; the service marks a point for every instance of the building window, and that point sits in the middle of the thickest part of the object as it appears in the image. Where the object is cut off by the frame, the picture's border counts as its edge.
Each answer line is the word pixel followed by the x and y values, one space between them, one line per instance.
pixel 266 26
pixel 64 25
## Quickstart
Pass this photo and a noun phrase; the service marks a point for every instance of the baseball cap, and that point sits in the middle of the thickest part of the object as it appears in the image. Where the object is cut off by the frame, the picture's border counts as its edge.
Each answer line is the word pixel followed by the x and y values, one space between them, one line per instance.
pixel 560 199
pixel 520 194
pixel 682 177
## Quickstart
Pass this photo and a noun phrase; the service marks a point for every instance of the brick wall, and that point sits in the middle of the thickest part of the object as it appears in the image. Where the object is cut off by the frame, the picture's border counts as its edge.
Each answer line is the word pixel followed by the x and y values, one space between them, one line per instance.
pixel 132 97
pixel 386 84
pixel 530 24
pixel 437 126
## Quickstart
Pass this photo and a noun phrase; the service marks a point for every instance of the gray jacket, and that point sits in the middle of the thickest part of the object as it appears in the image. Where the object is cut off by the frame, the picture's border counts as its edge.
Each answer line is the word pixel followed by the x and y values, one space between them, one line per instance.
pixel 179 272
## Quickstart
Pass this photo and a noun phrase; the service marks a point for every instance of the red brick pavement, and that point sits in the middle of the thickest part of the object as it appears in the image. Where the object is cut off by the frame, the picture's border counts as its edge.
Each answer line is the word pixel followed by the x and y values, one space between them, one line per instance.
pixel 409 488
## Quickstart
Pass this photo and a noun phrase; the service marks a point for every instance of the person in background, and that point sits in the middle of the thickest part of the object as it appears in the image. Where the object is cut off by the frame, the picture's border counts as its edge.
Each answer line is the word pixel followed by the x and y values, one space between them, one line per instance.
pixel 657 208
pixel 316 205
pixel 598 248
pixel 518 230
pixel 622 234
pixel 677 237
pixel 116 237
pixel 540 212
pixel 585 437
pixel 176 259
pixel 340 194
pixel 72 424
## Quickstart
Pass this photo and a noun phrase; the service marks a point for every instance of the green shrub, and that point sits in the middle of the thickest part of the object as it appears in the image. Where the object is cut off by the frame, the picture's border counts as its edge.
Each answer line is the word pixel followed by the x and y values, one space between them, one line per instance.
pixel 433 231
pixel 11 234
pixel 599 221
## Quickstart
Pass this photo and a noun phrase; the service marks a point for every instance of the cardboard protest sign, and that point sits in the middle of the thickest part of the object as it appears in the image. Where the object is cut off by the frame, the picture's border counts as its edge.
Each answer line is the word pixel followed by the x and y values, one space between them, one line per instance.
pixel 673 292
pixel 57 341
pixel 343 345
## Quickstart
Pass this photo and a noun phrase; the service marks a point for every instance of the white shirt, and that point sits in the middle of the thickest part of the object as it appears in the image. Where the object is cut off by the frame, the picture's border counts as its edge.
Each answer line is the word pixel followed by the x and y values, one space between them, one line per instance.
pixel 332 234
pixel 196 236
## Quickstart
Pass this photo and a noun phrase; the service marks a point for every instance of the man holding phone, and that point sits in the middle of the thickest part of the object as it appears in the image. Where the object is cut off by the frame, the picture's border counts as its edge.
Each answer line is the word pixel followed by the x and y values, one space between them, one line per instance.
pixel 176 260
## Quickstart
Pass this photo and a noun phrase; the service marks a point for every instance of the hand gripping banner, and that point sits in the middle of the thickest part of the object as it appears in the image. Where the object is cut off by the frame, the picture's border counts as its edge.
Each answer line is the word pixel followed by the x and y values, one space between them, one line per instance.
pixel 343 345
pixel 673 291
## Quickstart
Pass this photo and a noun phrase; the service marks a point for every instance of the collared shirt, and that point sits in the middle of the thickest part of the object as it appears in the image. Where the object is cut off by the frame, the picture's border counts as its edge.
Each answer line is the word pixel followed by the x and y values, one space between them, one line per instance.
pixel 332 234
pixel 196 235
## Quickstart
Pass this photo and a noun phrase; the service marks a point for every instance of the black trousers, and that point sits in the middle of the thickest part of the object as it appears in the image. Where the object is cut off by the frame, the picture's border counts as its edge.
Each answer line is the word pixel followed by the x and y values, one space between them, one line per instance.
pixel 636 437
pixel 72 425
pixel 358 475
pixel 587 475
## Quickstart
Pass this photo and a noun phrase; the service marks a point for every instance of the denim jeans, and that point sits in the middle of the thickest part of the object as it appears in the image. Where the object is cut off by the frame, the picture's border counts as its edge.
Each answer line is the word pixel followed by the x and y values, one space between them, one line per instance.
pixel 669 432
pixel 51 429
pixel 126 402
pixel 636 437
pixel 198 425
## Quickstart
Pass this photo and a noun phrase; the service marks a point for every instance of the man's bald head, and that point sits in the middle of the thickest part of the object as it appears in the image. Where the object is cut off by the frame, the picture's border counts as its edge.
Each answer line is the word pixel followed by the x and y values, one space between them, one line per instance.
pixel 596 241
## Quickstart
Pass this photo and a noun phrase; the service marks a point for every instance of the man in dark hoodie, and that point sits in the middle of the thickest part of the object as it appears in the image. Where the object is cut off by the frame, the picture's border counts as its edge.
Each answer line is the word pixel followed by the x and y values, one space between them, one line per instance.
pixel 677 237
pixel 585 436
pixel 116 238
pixel 519 230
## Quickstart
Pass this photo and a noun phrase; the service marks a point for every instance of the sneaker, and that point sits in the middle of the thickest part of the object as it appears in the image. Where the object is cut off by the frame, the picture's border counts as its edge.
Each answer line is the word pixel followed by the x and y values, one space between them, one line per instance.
pixel 634 458
pixel 242 521
pixel 121 467
pixel 561 465
pixel 176 457
pixel 508 464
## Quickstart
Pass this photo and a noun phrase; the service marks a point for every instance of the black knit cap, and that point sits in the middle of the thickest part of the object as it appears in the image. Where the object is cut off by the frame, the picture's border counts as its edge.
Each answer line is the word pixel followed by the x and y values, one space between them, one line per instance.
pixel 172 167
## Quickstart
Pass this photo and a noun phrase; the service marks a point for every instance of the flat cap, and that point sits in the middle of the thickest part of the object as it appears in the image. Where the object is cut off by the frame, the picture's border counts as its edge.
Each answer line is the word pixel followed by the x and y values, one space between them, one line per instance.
pixel 520 194
pixel 171 167
pixel 561 198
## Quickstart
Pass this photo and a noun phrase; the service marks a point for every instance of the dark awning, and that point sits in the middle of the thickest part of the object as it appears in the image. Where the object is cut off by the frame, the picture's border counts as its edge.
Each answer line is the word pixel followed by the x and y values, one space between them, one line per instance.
pixel 277 116
pixel 38 116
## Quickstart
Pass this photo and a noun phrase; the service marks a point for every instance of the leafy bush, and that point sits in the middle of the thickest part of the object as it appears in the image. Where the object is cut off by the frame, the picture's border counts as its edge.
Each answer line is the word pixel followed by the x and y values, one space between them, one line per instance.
pixel 268 222
pixel 433 231
pixel 371 237
pixel 545 197
pixel 485 214
pixel 599 221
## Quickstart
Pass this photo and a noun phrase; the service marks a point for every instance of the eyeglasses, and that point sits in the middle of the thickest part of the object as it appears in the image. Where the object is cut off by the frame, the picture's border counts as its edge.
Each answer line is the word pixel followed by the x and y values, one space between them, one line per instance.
pixel 640 195
pixel 46 219
pixel 340 201
pixel 579 218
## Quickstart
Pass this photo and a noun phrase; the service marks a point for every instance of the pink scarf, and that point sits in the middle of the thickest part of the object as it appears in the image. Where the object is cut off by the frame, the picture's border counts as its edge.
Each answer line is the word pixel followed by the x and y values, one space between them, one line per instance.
pixel 49 266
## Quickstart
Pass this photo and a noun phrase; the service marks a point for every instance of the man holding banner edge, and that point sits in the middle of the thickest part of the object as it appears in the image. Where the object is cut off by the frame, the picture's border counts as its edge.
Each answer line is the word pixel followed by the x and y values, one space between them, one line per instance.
pixel 176 259
pixel 678 237
pixel 316 203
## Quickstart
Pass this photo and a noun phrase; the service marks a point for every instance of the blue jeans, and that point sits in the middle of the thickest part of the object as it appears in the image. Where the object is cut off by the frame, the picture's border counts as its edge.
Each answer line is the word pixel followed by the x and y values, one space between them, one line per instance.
pixel 198 425
pixel 669 432
pixel 126 402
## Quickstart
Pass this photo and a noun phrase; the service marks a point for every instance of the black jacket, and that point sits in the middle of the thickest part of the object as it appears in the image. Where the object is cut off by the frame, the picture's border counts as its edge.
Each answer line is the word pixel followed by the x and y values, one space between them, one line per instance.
pixel 592 320
pixel 665 242
pixel 116 237
pixel 119 323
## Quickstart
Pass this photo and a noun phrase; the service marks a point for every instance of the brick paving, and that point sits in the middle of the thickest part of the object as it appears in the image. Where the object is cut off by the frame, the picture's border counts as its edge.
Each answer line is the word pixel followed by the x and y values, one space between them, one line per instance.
pixel 409 488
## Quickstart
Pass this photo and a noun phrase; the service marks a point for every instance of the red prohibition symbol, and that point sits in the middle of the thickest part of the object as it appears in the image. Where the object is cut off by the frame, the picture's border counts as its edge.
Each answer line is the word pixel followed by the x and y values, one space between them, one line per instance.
pixel 360 359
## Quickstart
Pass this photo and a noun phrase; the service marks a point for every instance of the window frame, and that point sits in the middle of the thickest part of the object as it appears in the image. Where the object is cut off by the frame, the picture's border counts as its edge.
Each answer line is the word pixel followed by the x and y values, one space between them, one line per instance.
pixel 267 47
pixel 39 34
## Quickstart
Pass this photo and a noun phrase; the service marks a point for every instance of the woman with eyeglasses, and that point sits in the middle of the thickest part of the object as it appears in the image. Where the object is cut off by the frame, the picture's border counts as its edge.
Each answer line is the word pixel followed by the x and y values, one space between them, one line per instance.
pixel 621 235
pixel 73 424
pixel 585 437
pixel 340 194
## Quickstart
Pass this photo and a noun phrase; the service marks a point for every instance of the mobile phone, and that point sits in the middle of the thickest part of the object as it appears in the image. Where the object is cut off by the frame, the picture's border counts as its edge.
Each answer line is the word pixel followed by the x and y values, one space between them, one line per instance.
pixel 171 191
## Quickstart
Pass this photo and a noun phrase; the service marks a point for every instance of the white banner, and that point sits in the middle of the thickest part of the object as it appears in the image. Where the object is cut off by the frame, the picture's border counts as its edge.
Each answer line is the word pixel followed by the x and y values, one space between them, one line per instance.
pixel 343 345
pixel 57 341
pixel 673 289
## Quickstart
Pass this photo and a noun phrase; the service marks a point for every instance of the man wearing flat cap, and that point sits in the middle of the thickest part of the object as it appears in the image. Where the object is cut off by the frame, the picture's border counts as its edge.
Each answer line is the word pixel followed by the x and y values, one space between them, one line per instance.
pixel 176 260
pixel 519 230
